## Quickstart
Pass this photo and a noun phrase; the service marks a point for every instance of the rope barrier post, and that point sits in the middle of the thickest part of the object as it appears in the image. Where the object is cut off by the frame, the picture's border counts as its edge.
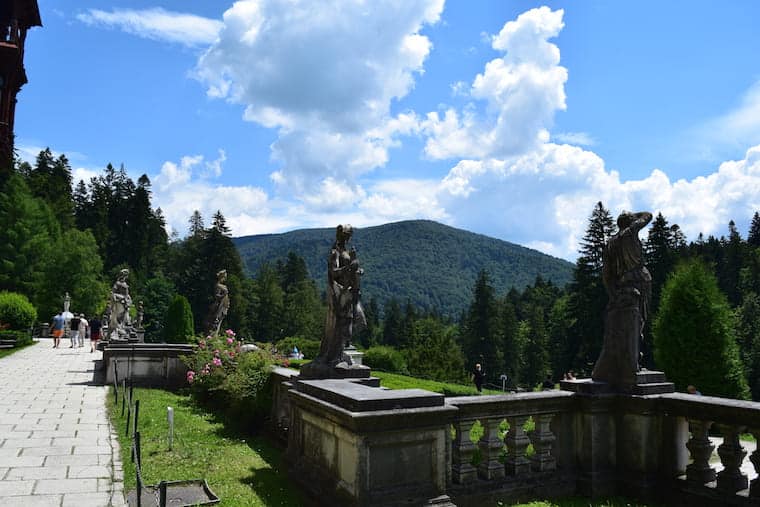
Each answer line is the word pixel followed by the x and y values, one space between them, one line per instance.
pixel 123 395
pixel 162 494
pixel 129 417
pixel 137 413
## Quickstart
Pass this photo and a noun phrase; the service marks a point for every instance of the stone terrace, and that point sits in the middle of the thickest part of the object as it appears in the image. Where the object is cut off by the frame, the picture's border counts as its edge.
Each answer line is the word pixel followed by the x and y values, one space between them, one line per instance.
pixel 56 446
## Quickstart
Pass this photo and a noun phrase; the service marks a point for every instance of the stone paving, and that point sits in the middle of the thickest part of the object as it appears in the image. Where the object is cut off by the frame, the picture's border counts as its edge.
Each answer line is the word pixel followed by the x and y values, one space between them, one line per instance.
pixel 56 445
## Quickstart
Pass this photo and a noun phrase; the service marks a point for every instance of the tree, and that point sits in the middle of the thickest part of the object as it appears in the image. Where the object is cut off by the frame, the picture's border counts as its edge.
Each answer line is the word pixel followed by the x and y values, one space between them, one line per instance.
pixel 156 295
pixel 748 331
pixel 512 350
pixel 392 323
pixel 433 352
pixel 179 325
pixel 480 336
pixel 753 238
pixel 268 306
pixel 694 334
pixel 588 297
pixel 536 355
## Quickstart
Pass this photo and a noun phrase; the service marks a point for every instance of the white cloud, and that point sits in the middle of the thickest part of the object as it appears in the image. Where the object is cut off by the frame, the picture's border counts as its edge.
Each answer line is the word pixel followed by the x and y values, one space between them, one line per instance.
pixel 521 91
pixel 738 128
pixel 157 24
pixel 325 75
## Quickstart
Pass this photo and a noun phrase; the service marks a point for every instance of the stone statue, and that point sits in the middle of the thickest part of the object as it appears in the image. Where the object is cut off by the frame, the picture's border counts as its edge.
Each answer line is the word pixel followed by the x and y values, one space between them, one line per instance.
pixel 66 302
pixel 629 287
pixel 220 306
pixel 344 310
pixel 140 314
pixel 120 302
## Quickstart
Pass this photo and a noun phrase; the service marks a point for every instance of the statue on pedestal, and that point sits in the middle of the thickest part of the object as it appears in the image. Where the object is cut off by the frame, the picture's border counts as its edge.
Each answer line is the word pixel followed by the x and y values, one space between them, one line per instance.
pixel 119 306
pixel 140 315
pixel 629 288
pixel 66 302
pixel 220 306
pixel 344 311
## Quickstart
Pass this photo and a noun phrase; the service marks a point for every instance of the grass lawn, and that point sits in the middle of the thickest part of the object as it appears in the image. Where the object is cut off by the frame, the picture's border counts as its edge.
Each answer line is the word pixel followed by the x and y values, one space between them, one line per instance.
pixel 581 502
pixel 8 352
pixel 396 381
pixel 242 470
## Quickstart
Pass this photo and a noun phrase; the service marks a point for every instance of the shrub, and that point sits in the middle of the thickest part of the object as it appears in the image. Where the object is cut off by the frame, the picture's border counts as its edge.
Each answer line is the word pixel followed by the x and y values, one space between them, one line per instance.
pixel 236 383
pixel 179 326
pixel 385 359
pixel 16 312
pixel 309 348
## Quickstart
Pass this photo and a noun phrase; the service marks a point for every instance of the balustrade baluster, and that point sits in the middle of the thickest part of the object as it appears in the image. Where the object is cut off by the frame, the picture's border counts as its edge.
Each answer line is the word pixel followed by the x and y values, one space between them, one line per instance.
pixel 754 486
pixel 461 453
pixel 490 450
pixel 543 439
pixel 701 448
pixel 517 443
pixel 731 453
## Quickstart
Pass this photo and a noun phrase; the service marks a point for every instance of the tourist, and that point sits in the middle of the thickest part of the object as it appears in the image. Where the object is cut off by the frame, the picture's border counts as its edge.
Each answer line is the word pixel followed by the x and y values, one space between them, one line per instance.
pixel 94 333
pixel 693 390
pixel 571 375
pixel 74 326
pixel 83 325
pixel 548 383
pixel 478 375
pixel 57 326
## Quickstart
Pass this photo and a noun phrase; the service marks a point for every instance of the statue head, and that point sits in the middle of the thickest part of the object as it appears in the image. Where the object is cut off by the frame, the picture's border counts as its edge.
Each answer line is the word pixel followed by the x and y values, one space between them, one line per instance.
pixel 344 232
pixel 624 220
pixel 124 273
pixel 221 275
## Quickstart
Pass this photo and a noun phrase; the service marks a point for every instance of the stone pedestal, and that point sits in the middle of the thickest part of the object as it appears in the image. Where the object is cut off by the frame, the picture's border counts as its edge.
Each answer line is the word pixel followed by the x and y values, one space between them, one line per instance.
pixel 355 355
pixel 354 445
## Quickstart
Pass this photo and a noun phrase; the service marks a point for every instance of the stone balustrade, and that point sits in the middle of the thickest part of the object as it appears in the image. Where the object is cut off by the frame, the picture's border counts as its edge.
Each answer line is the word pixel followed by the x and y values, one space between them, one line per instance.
pixel 699 417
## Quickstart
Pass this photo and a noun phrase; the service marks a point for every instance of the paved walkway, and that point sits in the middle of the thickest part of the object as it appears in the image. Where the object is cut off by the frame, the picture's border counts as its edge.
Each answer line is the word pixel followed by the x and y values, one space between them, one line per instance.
pixel 56 445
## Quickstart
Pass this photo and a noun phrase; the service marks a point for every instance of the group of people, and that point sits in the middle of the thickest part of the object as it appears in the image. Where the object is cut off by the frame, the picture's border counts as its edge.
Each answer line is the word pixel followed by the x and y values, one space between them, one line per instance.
pixel 80 327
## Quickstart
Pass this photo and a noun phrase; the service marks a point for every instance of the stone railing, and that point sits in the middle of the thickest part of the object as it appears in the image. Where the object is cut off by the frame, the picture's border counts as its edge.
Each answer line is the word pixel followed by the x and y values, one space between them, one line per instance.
pixel 501 462
pixel 695 419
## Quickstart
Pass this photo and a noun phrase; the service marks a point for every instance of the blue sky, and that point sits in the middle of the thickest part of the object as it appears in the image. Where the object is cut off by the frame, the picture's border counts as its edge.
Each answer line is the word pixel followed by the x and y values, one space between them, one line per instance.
pixel 506 118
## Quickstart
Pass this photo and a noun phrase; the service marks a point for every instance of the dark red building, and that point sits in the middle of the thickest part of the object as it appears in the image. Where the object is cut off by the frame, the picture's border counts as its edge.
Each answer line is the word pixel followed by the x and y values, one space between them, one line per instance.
pixel 16 17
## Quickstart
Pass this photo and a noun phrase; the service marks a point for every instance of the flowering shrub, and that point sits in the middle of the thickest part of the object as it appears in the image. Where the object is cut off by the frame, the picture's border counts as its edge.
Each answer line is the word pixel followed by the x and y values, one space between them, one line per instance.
pixel 220 375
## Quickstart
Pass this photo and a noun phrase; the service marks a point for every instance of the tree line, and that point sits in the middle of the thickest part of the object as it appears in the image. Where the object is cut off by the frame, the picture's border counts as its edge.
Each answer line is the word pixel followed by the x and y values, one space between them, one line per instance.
pixel 58 236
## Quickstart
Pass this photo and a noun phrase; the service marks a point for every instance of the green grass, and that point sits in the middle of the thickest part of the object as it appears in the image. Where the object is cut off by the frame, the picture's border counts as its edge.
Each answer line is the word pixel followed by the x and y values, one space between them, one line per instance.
pixel 8 352
pixel 396 381
pixel 242 470
pixel 580 502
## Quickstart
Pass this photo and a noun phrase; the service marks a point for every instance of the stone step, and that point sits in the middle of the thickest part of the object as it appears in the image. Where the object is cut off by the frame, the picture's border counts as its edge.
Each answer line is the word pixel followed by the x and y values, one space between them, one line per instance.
pixel 653 388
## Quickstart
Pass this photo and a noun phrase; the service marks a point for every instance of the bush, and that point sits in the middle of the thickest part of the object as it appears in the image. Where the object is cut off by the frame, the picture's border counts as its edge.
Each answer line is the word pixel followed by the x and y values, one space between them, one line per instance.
pixel 694 340
pixel 16 312
pixel 309 348
pixel 179 326
pixel 385 359
pixel 226 379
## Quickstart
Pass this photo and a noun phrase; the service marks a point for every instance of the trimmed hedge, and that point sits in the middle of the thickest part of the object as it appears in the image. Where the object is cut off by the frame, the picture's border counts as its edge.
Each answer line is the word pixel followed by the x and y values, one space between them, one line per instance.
pixel 20 337
pixel 179 326
pixel 385 359
pixel 16 312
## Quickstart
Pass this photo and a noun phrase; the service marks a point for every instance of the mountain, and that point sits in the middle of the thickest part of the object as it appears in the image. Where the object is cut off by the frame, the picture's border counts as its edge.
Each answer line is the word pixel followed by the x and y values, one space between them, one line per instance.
pixel 431 264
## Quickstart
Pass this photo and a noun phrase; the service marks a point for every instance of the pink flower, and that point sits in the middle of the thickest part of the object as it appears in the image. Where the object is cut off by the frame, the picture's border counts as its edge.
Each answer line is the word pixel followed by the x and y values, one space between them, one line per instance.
pixel 216 352
pixel 217 361
pixel 202 344
pixel 230 332
pixel 190 376
pixel 230 341
pixel 231 354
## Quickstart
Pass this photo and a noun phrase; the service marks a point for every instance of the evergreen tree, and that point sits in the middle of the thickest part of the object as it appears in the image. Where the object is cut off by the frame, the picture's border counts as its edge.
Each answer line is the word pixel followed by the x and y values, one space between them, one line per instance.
pixel 179 325
pixel 392 323
pixel 268 306
pixel 588 296
pixel 480 333
pixel 511 347
pixel 753 238
pixel 157 294
pixel 197 228
pixel 536 354
pixel 434 352
pixel 732 264
pixel 694 334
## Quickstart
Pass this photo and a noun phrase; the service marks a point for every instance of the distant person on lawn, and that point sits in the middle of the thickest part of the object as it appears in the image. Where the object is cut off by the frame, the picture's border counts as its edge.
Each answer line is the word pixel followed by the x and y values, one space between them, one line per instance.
pixel 74 323
pixel 58 323
pixel 83 325
pixel 478 375
pixel 94 333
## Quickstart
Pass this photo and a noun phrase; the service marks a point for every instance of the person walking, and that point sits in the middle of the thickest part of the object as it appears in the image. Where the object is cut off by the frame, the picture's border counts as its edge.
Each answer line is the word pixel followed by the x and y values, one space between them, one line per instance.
pixel 83 326
pixel 94 333
pixel 57 327
pixel 74 325
pixel 478 376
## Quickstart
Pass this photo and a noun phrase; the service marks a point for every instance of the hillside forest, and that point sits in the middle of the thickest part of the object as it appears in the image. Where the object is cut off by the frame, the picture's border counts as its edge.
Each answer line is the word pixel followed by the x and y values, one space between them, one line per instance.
pixel 60 236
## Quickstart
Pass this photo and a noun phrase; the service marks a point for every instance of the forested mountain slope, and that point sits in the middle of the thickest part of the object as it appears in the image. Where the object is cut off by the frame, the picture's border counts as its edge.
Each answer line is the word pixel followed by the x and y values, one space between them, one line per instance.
pixel 431 264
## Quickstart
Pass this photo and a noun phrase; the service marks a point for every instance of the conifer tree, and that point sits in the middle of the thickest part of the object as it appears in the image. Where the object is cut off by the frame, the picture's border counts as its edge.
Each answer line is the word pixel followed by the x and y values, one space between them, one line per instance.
pixel 753 238
pixel 480 333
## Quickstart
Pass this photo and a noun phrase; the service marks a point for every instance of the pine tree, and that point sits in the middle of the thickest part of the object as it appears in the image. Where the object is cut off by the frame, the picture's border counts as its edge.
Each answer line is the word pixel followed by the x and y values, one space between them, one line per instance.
pixel 694 334
pixel 197 228
pixel 480 333
pixel 536 355
pixel 392 323
pixel 512 351
pixel 753 238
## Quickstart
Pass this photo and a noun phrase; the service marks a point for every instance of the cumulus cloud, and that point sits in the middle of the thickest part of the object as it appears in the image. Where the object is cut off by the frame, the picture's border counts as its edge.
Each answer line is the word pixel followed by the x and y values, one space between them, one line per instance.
pixel 324 74
pixel 521 92
pixel 576 138
pixel 157 24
